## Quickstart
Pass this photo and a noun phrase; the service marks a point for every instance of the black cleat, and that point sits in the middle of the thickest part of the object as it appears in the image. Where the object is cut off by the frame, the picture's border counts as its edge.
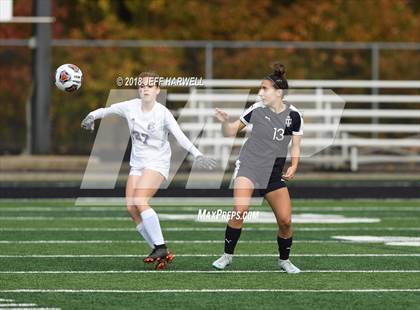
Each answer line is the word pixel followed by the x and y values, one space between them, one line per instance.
pixel 150 258
pixel 161 256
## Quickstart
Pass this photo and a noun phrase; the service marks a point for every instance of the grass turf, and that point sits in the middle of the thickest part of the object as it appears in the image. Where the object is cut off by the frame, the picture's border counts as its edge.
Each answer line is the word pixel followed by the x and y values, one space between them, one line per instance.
pixel 25 221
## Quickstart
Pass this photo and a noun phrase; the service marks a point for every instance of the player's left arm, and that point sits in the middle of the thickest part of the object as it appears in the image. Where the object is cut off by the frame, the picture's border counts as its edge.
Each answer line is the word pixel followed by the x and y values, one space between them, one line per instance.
pixel 297 132
pixel 295 155
pixel 182 139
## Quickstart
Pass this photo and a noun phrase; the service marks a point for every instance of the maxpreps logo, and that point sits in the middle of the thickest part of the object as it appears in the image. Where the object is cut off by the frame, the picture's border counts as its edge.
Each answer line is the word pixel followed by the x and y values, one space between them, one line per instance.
pixel 220 215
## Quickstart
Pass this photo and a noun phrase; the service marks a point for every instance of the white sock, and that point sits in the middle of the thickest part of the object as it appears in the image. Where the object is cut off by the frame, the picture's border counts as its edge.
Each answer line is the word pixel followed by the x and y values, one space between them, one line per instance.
pixel 142 231
pixel 152 226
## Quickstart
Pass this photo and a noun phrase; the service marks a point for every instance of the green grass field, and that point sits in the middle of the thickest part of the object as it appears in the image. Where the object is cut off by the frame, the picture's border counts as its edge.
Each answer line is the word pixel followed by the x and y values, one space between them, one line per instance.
pixel 54 254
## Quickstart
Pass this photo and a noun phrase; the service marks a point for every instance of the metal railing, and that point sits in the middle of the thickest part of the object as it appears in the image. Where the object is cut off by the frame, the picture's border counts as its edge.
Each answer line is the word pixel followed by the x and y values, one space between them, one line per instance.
pixel 348 144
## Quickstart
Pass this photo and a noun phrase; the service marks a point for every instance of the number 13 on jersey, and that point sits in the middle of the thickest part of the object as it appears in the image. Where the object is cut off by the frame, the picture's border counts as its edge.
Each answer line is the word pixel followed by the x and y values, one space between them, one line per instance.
pixel 278 134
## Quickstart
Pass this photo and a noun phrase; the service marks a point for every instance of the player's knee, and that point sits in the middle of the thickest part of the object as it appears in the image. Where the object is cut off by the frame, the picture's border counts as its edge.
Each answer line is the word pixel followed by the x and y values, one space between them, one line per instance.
pixel 134 217
pixel 235 222
pixel 130 206
pixel 129 202
pixel 285 224
pixel 143 205
pixel 140 202
pixel 241 209
pixel 237 216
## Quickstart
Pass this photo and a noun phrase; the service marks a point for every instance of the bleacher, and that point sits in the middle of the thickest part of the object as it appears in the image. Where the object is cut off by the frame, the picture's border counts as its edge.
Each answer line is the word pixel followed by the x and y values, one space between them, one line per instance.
pixel 347 123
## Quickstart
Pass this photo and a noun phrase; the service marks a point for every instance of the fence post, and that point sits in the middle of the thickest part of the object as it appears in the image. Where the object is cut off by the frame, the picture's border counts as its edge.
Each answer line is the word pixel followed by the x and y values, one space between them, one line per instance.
pixel 40 116
pixel 375 77
pixel 354 165
pixel 209 61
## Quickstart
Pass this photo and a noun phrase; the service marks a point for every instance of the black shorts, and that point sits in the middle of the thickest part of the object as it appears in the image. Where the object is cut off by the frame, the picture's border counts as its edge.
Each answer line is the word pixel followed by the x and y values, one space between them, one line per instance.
pixel 261 181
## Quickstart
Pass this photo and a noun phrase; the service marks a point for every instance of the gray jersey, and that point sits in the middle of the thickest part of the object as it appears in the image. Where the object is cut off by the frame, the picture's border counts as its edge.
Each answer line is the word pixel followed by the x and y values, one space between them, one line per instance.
pixel 270 137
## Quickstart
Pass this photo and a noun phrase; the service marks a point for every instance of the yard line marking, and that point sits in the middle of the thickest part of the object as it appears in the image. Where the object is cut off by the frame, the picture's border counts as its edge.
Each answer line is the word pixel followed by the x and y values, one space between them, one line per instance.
pixel 170 241
pixel 218 229
pixel 167 217
pixel 295 229
pixel 20 308
pixel 207 255
pixel 18 305
pixel 167 208
pixel 212 290
pixel 197 271
pixel 6 300
pixel 351 209
pixel 387 240
pixel 400 218
pixel 54 218
pixel 64 209
pixel 191 217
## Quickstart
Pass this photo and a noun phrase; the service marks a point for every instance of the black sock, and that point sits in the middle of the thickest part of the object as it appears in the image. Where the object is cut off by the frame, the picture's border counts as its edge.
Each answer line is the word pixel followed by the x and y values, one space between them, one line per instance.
pixel 231 238
pixel 284 247
pixel 160 246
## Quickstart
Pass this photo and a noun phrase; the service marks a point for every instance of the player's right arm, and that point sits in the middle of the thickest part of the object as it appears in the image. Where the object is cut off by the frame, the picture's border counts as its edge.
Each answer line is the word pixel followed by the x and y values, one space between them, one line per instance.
pixel 229 129
pixel 88 122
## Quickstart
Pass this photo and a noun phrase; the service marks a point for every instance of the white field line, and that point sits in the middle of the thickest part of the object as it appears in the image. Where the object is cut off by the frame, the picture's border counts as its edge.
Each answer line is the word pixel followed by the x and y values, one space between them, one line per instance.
pixel 218 229
pixel 207 255
pixel 73 209
pixel 20 307
pixel 168 241
pixel 167 208
pixel 188 217
pixel 111 199
pixel 52 218
pixel 400 218
pixel 17 305
pixel 197 271
pixel 233 290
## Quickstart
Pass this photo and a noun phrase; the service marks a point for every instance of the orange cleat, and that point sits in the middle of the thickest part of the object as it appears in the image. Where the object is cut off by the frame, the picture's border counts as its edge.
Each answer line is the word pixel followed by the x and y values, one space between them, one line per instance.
pixel 161 256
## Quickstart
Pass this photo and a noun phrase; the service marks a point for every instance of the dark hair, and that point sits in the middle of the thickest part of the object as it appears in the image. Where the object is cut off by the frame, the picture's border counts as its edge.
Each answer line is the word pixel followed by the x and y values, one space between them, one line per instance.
pixel 278 77
pixel 150 74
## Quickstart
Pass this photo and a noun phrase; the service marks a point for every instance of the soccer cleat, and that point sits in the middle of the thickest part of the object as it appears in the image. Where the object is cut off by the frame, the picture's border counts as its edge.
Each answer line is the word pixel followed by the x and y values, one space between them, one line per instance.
pixel 287 266
pixel 161 256
pixel 161 263
pixel 150 258
pixel 224 261
pixel 169 257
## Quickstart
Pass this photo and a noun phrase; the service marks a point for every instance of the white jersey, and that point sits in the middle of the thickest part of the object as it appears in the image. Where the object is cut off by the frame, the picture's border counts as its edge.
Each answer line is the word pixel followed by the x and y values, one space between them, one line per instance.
pixel 149 133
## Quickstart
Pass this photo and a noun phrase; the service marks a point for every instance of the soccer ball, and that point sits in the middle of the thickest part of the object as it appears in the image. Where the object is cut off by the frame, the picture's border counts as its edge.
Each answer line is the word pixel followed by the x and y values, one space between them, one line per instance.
pixel 68 78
